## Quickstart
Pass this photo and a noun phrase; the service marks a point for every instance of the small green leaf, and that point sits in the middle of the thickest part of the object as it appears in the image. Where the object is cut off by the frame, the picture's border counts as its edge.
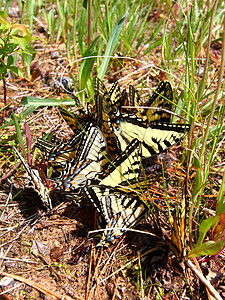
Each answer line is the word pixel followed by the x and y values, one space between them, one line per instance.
pixel 18 132
pixel 3 70
pixel 208 248
pixel 204 228
pixel 3 17
pixel 21 41
pixel 16 70
pixel 9 61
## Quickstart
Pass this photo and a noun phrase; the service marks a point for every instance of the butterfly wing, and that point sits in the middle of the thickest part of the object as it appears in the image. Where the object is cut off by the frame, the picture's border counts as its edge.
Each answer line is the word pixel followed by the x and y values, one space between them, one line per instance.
pixel 89 161
pixel 157 107
pixel 161 101
pixel 108 107
pixel 136 103
pixel 74 121
pixel 154 138
pixel 59 154
pixel 115 95
pixel 120 210
pixel 103 105
pixel 124 168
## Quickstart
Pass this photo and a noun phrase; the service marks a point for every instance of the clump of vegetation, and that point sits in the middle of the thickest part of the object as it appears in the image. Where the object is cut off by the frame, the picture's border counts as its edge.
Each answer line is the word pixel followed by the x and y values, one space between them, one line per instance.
pixel 182 43
pixel 14 38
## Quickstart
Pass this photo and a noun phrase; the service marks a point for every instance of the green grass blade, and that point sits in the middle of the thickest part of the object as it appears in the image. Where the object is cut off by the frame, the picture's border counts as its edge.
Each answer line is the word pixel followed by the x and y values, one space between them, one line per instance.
pixel 26 113
pixel 87 64
pixel 114 37
pixel 31 13
pixel 36 102
pixel 18 132
pixel 220 207
pixel 82 25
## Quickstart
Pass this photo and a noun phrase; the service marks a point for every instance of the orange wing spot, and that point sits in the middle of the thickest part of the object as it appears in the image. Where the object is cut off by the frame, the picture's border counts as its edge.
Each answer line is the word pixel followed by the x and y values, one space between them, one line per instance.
pixel 107 244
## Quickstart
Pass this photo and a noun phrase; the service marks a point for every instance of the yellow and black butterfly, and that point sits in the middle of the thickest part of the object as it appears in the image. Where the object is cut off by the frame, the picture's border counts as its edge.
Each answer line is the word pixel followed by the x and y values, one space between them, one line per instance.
pixel 151 109
pixel 101 97
pixel 58 154
pixel 78 160
pixel 154 138
pixel 156 108
pixel 124 171
pixel 120 210
pixel 96 114
pixel 86 172
pixel 75 121
pixel 90 160
pixel 42 190
pixel 155 135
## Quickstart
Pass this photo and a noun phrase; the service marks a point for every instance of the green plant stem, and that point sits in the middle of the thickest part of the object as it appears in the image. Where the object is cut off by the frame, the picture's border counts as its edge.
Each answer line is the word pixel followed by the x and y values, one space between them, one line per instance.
pixel 221 71
pixel 199 175
pixel 4 97
pixel 221 201
pixel 89 21
pixel 207 53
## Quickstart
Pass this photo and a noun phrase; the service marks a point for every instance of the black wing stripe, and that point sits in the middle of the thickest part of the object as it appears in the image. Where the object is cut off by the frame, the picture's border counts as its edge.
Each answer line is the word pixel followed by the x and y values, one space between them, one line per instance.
pixel 120 210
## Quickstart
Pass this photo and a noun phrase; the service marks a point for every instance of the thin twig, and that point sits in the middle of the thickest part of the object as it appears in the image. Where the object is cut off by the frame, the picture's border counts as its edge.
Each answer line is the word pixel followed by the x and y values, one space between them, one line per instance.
pixel 8 174
pixel 40 287
pixel 204 280
pixel 89 275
